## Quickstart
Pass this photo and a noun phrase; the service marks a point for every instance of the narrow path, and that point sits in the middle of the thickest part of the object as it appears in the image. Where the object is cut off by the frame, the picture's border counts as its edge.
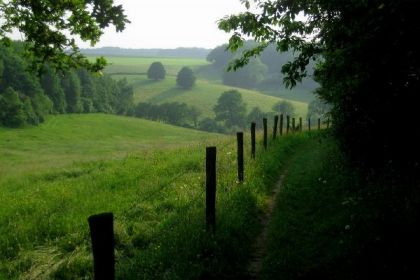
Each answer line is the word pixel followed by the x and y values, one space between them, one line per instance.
pixel 260 245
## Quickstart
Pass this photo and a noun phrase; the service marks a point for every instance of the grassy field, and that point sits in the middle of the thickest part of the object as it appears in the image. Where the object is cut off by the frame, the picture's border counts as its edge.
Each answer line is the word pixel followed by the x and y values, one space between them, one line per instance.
pixel 203 95
pixel 65 139
pixel 138 65
pixel 157 197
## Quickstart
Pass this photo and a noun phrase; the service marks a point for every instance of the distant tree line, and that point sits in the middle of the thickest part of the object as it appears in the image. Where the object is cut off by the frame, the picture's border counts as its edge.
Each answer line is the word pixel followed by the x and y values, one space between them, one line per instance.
pixel 263 72
pixel 27 97
pixel 178 52
pixel 231 113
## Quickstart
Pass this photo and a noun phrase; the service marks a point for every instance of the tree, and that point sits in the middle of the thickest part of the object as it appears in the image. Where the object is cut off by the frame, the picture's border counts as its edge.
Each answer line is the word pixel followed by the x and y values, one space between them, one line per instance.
pixel 185 78
pixel 368 68
pixel 156 71
pixel 50 82
pixel 72 91
pixel 12 113
pixel 368 65
pixel 16 76
pixel 318 109
pixel 87 90
pixel 231 109
pixel 193 112
pixel 256 115
pixel 211 125
pixel 246 77
pixel 219 56
pixel 284 107
pixel 124 99
pixel 45 25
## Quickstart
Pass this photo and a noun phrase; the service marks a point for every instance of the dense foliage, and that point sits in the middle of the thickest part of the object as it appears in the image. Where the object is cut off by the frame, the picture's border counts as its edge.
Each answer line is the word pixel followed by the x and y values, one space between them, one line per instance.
pixel 231 109
pixel 261 72
pixel 369 66
pixel 185 78
pixel 285 108
pixel 318 109
pixel 369 71
pixel 156 71
pixel 26 98
pixel 46 26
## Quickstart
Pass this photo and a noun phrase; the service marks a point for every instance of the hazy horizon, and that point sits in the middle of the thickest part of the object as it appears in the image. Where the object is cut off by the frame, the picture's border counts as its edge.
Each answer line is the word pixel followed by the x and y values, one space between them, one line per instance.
pixel 163 24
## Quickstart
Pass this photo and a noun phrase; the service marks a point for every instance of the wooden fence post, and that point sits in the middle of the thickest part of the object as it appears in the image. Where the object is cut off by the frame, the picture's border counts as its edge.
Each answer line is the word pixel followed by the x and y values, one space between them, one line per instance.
pixel 281 124
pixel 102 236
pixel 319 124
pixel 265 132
pixel 240 140
pixel 276 122
pixel 253 140
pixel 294 124
pixel 287 124
pixel 309 124
pixel 211 189
pixel 300 124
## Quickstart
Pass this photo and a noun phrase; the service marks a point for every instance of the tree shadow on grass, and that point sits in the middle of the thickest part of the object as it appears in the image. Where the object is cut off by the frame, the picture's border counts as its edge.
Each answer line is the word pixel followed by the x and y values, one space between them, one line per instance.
pixel 168 94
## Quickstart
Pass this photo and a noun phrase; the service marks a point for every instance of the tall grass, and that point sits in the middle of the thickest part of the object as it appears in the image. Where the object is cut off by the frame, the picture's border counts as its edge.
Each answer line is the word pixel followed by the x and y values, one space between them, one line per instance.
pixel 157 198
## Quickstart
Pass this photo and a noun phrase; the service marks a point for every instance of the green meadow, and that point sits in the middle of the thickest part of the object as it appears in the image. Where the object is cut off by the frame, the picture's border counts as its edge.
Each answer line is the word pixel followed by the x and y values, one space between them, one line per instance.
pixel 150 175
pixel 66 139
pixel 203 95
pixel 139 65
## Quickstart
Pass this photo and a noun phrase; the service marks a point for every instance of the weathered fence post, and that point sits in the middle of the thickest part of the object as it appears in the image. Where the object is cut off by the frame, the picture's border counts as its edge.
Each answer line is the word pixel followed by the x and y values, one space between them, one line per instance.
pixel 309 124
pixel 276 122
pixel 253 140
pixel 300 124
pixel 240 140
pixel 287 124
pixel 211 189
pixel 281 124
pixel 102 236
pixel 265 132
pixel 319 124
pixel 294 124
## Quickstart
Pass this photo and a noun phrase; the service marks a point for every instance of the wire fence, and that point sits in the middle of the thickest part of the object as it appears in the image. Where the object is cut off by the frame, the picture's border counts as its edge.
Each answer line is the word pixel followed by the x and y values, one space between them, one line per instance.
pixel 225 167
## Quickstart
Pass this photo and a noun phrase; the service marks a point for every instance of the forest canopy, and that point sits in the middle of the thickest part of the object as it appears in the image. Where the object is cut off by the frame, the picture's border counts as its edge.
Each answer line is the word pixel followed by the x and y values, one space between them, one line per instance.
pixel 368 67
pixel 26 97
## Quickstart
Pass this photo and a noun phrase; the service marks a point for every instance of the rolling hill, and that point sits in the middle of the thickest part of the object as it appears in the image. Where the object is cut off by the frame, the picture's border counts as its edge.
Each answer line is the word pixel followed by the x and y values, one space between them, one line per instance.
pixel 65 139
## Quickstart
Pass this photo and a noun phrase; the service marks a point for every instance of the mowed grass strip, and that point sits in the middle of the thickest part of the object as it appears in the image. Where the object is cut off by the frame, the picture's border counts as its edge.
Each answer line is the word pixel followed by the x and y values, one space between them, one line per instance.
pixel 64 139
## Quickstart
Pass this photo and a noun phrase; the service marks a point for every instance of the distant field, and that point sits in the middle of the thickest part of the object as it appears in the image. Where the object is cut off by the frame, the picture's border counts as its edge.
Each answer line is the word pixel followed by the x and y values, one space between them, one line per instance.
pixel 203 95
pixel 65 139
pixel 141 64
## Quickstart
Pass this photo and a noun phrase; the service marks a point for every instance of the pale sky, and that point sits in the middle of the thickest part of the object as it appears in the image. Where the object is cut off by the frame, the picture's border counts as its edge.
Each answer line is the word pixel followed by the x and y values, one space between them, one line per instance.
pixel 171 24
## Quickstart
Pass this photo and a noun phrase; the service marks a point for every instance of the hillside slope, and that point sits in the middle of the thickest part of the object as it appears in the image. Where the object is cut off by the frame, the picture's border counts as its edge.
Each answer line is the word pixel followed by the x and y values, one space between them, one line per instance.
pixel 203 95
pixel 65 139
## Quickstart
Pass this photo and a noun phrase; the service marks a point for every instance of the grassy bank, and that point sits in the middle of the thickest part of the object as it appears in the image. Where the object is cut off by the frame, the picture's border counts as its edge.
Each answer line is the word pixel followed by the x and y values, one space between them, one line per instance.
pixel 330 223
pixel 157 198
pixel 66 139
